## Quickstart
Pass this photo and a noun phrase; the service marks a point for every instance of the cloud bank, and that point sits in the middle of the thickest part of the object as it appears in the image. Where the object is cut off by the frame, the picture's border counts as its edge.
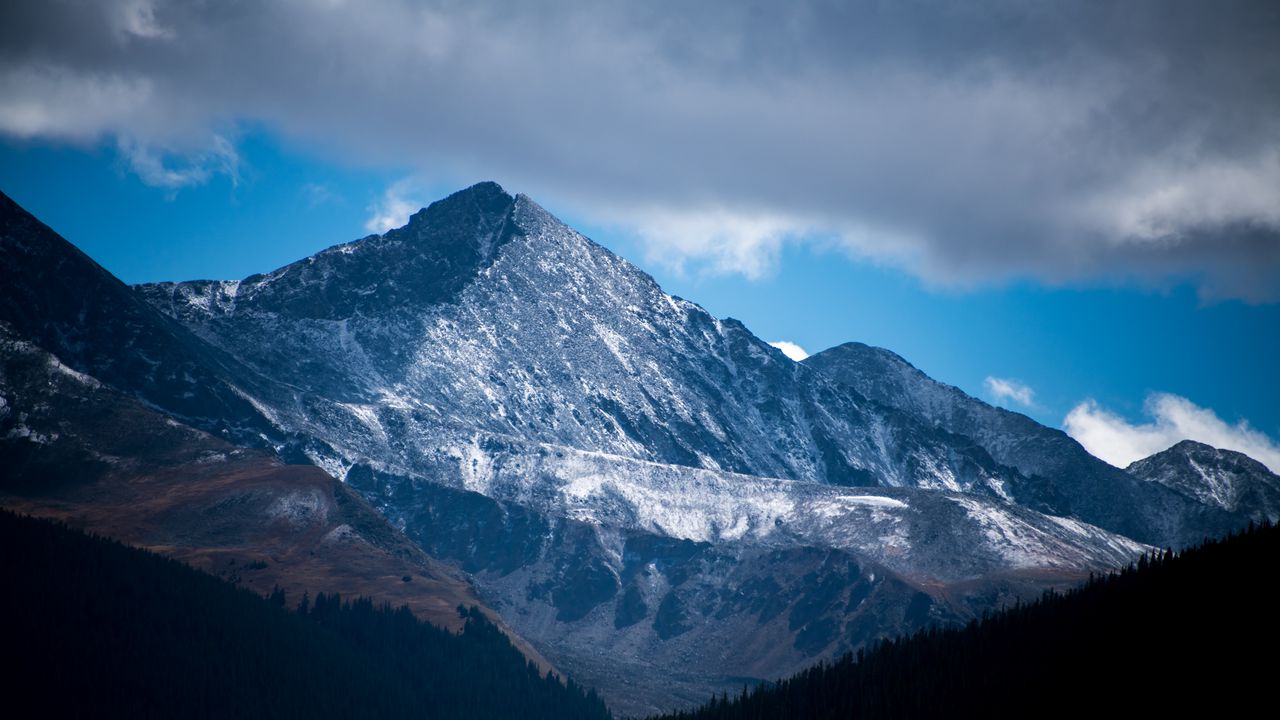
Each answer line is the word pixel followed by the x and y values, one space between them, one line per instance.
pixel 1009 391
pixel 1135 141
pixel 1173 419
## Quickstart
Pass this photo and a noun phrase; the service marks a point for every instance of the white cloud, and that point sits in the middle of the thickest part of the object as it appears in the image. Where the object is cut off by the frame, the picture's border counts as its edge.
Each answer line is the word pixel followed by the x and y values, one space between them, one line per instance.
pixel 138 18
pixel 716 240
pixel 316 194
pixel 171 173
pixel 791 350
pixel 1173 419
pixel 1004 391
pixel 393 209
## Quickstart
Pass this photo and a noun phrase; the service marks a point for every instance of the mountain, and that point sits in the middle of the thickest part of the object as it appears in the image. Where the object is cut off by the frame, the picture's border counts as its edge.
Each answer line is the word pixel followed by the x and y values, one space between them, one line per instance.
pixel 79 451
pixel 100 629
pixel 1149 629
pixel 631 484
pixel 621 472
pixel 1055 473
pixel 526 329
pixel 58 299
pixel 96 393
pixel 1226 479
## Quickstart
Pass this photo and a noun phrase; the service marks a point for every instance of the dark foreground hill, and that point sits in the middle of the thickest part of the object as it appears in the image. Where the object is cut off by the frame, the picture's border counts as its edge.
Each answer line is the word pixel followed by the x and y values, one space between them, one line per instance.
pixel 1186 634
pixel 95 628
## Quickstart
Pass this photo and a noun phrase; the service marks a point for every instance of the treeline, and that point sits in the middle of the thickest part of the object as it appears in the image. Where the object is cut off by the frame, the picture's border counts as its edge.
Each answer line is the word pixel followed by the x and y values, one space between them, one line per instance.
pixel 1186 634
pixel 93 628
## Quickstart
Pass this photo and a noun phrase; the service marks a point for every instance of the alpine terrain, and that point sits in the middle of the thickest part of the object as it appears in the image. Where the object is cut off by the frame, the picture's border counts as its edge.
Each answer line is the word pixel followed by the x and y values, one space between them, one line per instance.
pixel 659 502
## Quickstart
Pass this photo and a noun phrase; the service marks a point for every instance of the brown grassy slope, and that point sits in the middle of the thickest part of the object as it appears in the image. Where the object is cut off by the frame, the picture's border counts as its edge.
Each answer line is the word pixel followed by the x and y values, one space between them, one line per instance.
pixel 75 450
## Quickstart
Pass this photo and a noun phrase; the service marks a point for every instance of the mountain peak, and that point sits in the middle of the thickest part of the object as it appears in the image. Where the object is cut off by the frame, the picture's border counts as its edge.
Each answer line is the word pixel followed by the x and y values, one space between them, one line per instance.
pixel 1215 476
pixel 484 200
pixel 428 260
pixel 1187 447
pixel 1195 449
pixel 862 354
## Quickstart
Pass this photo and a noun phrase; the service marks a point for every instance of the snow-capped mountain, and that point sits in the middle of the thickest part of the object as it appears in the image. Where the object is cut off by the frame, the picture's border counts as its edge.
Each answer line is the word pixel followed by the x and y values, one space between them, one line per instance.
pixel 537 333
pixel 1219 478
pixel 632 483
pixel 487 348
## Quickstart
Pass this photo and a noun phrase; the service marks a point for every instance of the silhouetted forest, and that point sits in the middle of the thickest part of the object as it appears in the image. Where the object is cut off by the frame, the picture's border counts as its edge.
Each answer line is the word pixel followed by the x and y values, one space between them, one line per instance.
pixel 1184 635
pixel 94 628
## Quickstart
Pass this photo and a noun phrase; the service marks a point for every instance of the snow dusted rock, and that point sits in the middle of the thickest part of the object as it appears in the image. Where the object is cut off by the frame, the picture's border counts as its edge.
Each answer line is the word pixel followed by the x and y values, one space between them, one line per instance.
pixel 619 573
pixel 932 536
pixel 487 314
pixel 1225 479
pixel 1055 474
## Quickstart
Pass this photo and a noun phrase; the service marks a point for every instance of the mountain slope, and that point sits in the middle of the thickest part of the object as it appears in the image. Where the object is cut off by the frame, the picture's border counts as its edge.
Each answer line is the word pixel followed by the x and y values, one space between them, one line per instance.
pixel 77 450
pixel 105 630
pixel 1058 475
pixel 1177 635
pixel 1226 479
pixel 62 301
pixel 618 607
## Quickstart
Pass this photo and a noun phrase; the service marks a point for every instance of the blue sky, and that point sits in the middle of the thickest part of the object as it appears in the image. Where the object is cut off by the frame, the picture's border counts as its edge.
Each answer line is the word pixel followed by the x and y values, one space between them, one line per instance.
pixel 1072 209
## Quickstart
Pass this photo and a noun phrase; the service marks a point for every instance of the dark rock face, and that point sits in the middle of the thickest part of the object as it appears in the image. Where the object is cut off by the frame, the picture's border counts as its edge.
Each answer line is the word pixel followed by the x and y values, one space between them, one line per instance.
pixel 55 297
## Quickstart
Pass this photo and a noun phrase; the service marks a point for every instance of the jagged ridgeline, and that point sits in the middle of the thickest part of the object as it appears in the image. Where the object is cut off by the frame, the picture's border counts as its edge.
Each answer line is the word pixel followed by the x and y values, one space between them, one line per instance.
pixel 1171 634
pixel 98 629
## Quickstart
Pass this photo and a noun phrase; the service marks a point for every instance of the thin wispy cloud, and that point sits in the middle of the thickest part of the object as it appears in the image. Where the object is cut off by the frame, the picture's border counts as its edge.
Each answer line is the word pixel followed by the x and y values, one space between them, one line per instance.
pixel 1135 141
pixel 137 18
pixel 1005 391
pixel 1172 420
pixel 165 170
pixel 791 350
pixel 393 208
pixel 316 194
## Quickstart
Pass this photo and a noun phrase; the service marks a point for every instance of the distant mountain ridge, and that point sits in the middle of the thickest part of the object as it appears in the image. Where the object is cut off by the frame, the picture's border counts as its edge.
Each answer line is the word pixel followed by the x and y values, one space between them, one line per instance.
pixel 619 471
pixel 1058 475
pixel 1227 479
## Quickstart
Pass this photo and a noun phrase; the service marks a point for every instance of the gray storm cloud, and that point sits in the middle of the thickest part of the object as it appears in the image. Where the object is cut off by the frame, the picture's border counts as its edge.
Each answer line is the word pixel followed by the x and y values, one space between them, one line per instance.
pixel 966 143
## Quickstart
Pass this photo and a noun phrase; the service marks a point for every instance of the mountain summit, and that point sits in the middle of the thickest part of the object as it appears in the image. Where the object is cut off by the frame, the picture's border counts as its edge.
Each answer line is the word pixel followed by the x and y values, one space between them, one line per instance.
pixel 1219 478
